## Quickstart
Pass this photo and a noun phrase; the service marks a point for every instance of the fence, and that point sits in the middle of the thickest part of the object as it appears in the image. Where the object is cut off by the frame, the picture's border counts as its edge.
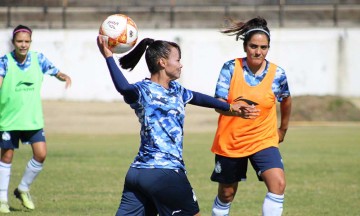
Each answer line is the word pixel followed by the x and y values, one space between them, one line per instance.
pixel 159 14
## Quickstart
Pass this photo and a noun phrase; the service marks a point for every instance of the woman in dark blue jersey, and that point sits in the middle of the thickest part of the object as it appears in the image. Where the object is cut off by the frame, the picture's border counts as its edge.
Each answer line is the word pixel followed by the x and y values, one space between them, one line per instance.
pixel 156 182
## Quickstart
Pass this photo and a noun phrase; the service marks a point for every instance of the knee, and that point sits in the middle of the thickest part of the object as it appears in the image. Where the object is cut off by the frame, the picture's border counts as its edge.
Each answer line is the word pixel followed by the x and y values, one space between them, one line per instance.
pixel 39 151
pixel 226 198
pixel 6 160
pixel 227 195
pixel 278 187
pixel 40 157
pixel 6 157
pixel 282 186
pixel 275 181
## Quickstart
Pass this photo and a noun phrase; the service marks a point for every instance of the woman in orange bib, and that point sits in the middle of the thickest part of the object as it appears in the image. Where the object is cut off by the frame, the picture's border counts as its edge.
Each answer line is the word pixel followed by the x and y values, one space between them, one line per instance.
pixel 255 81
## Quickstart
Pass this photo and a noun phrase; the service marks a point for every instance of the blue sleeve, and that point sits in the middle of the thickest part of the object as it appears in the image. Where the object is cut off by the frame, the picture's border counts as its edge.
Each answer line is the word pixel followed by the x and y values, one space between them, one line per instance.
pixel 187 95
pixel 203 100
pixel 127 90
pixel 47 67
pixel 280 85
pixel 3 66
pixel 224 80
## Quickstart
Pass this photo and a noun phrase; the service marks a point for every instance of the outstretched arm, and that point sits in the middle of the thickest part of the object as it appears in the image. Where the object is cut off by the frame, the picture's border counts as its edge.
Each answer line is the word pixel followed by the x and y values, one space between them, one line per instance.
pixel 246 111
pixel 203 100
pixel 121 84
pixel 64 78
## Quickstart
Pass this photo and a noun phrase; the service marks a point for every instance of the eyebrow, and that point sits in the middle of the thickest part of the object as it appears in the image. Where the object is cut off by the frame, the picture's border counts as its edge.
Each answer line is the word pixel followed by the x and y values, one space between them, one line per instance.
pixel 251 44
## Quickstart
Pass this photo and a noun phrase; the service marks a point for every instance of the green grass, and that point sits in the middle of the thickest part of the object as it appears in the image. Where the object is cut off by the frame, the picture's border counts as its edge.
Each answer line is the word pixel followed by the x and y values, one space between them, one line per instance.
pixel 83 174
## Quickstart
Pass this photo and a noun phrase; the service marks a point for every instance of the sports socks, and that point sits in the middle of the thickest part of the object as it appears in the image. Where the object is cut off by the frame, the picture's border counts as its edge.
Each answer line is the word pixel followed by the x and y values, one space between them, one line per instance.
pixel 32 170
pixel 5 171
pixel 273 204
pixel 219 208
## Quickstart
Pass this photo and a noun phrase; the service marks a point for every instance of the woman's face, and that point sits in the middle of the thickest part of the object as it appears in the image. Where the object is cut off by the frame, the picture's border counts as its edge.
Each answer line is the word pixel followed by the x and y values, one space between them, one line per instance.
pixel 21 42
pixel 256 49
pixel 173 65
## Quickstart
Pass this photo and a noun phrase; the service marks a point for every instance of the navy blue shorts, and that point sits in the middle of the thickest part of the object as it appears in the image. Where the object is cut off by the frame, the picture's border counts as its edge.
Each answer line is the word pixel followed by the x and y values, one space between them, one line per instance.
pixel 149 192
pixel 230 170
pixel 10 139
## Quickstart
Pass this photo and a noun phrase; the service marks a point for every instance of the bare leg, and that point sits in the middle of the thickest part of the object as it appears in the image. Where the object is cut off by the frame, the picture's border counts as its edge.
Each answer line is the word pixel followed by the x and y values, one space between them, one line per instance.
pixel 275 182
pixel 5 172
pixel 222 203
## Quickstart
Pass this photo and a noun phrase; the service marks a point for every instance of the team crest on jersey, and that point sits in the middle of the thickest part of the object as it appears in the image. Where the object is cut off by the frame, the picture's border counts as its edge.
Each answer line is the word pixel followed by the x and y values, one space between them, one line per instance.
pixel 218 167
pixel 6 136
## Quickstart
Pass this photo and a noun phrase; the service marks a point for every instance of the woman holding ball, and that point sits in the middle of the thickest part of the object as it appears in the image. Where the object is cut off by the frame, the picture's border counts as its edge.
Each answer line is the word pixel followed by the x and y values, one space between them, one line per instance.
pixel 156 182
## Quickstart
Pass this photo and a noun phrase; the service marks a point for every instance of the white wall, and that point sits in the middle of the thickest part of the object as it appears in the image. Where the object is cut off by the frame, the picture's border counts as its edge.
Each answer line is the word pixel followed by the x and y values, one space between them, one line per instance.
pixel 317 61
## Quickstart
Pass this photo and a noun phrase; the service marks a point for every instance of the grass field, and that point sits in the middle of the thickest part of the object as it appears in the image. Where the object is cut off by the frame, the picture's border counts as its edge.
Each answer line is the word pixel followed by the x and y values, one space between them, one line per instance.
pixel 84 173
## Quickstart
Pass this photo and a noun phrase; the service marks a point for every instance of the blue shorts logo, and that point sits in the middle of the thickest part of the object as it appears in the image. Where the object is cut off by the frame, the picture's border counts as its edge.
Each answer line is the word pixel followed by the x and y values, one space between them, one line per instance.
pixel 218 167
pixel 6 136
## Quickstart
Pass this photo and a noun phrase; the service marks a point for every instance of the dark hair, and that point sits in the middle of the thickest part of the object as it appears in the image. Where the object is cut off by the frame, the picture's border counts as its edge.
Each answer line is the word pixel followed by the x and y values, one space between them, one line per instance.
pixel 155 49
pixel 242 29
pixel 21 28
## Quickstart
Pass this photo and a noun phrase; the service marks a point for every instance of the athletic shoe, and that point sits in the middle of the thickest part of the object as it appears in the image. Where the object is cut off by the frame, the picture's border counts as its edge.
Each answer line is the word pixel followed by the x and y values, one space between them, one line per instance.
pixel 25 198
pixel 4 207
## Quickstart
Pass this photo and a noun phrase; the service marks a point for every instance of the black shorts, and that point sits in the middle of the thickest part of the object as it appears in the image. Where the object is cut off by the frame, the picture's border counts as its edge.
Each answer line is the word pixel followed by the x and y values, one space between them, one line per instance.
pixel 157 191
pixel 230 170
pixel 10 139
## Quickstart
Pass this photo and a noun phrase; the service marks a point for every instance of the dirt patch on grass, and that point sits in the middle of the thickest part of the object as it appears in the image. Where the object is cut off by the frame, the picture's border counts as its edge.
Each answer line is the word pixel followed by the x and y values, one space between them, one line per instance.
pixel 118 118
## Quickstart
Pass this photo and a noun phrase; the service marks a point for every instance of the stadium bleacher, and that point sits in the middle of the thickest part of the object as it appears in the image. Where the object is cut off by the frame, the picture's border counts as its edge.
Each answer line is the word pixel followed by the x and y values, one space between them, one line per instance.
pixel 58 14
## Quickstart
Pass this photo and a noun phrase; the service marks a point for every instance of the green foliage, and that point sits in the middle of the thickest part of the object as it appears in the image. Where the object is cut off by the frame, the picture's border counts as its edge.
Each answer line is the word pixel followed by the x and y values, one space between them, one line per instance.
pixel 84 174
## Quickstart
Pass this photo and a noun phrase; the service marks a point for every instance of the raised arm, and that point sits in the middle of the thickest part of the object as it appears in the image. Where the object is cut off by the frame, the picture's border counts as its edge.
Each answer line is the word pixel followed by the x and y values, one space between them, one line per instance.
pixel 121 84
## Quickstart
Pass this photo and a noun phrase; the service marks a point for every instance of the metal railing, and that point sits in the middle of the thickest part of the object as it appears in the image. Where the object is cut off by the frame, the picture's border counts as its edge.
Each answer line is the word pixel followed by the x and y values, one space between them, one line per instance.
pixel 181 13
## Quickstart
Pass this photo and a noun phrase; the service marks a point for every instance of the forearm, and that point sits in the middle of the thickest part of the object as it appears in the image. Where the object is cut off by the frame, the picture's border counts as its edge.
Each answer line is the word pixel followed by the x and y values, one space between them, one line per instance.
pixel 285 111
pixel 203 100
pixel 222 112
pixel 121 84
pixel 61 76
pixel 64 78
pixel 227 112
pixel 221 106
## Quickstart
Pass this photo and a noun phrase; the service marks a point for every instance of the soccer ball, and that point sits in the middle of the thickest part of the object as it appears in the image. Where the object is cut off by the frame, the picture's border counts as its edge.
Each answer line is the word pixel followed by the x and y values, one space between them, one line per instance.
pixel 120 32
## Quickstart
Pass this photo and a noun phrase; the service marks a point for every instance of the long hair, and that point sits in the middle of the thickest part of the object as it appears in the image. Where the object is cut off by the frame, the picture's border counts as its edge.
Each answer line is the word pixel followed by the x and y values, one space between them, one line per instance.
pixel 244 30
pixel 155 49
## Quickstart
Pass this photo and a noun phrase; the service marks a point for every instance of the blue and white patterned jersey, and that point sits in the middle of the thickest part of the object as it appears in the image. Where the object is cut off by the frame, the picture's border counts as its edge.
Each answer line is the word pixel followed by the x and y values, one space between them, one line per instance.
pixel 161 113
pixel 46 66
pixel 280 85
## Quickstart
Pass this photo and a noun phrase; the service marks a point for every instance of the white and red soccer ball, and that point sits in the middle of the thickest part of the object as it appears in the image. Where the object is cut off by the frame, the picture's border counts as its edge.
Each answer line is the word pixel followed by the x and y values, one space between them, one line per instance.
pixel 120 32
